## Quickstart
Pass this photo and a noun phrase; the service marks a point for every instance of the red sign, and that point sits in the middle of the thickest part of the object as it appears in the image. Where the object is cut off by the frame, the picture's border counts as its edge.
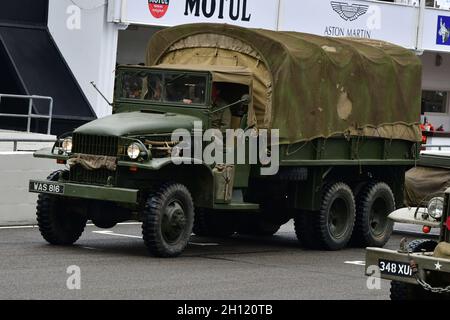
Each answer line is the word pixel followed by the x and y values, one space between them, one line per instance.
pixel 158 8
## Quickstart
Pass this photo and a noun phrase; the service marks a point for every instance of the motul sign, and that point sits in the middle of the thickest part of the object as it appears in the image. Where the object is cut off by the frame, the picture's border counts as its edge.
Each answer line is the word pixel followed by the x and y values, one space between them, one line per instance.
pixel 219 9
pixel 166 13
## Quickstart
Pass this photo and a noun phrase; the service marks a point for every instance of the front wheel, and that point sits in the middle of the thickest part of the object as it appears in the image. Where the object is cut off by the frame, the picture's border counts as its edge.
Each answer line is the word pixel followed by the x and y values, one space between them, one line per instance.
pixel 167 220
pixel 61 221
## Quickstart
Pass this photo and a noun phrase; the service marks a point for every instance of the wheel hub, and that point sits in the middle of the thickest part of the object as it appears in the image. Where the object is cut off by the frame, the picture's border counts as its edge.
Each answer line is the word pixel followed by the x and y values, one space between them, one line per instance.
pixel 338 218
pixel 378 217
pixel 173 222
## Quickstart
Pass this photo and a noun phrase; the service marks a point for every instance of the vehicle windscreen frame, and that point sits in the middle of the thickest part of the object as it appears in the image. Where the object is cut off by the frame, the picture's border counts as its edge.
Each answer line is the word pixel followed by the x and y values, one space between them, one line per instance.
pixel 119 86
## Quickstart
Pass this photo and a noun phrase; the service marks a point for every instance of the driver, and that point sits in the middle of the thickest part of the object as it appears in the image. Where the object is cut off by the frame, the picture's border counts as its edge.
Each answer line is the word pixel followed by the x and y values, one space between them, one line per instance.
pixel 220 120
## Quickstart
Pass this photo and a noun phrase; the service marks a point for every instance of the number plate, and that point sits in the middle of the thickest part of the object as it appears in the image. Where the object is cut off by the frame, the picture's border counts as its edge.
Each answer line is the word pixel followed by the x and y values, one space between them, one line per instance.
pixel 394 268
pixel 46 187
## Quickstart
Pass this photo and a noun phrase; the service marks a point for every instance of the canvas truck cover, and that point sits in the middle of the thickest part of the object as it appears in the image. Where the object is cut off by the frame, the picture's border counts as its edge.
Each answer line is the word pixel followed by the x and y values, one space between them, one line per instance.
pixel 308 86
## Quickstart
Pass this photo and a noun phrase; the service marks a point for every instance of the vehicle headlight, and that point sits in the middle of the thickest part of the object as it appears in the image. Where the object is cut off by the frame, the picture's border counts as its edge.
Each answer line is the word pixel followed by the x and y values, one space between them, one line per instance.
pixel 67 145
pixel 436 207
pixel 134 151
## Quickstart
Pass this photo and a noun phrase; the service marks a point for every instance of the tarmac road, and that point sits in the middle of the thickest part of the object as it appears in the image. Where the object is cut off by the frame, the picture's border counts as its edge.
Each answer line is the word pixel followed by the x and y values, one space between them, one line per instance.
pixel 114 265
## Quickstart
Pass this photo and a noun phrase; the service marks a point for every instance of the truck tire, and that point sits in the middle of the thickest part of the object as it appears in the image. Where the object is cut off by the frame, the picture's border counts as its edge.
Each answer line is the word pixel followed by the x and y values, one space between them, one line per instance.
pixel 167 220
pixel 373 205
pixel 407 291
pixel 207 224
pixel 58 223
pixel 334 222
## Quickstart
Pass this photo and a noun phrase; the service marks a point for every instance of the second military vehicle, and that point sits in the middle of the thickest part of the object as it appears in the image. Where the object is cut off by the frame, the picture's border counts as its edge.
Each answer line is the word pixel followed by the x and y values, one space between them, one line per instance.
pixel 341 115
pixel 419 269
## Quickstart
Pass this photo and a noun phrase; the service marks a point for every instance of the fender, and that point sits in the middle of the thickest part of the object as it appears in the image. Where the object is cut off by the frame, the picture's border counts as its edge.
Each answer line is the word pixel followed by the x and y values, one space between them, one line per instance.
pixel 413 215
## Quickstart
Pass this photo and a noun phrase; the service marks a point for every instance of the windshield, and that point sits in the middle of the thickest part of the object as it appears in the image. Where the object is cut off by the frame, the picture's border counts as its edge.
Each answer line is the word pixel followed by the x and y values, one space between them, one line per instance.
pixel 179 88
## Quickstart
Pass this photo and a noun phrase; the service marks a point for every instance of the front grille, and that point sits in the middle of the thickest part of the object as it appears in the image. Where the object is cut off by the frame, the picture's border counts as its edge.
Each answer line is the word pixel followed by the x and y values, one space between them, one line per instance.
pixel 96 145
pixel 98 176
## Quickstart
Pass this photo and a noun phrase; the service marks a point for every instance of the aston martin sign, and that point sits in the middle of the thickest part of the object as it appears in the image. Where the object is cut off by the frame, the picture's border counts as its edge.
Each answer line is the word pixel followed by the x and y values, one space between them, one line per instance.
pixel 349 12
pixel 351 18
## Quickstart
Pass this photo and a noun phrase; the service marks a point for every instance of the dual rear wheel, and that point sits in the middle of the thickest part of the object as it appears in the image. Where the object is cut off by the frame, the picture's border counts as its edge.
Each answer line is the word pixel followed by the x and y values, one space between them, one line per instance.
pixel 344 220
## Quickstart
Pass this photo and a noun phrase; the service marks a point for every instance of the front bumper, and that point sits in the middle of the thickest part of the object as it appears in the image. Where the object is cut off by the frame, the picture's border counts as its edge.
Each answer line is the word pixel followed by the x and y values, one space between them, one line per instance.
pixel 425 263
pixel 84 191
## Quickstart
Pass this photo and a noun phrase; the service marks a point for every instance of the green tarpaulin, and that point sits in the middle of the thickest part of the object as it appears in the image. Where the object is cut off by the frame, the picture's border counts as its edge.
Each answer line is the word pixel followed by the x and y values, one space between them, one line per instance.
pixel 306 85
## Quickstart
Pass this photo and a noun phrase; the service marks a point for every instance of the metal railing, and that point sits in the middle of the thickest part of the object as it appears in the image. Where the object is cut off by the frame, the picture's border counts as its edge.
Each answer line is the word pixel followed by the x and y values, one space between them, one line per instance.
pixel 30 114
pixel 16 140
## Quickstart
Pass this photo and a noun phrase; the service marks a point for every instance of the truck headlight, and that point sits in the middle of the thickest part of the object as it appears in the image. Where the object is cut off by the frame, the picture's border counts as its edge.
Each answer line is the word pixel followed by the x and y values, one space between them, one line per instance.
pixel 67 145
pixel 134 151
pixel 436 207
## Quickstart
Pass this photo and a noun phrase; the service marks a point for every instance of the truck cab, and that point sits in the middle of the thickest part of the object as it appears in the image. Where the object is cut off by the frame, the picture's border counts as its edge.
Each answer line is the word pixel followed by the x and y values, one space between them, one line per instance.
pixel 118 163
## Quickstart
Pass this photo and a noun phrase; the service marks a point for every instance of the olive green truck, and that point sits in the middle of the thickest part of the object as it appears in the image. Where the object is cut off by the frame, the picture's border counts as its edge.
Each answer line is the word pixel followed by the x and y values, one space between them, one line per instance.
pixel 340 118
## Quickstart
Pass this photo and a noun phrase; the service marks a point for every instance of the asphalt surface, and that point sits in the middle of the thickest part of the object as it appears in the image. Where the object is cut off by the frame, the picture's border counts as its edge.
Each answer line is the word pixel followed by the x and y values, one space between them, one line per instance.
pixel 114 264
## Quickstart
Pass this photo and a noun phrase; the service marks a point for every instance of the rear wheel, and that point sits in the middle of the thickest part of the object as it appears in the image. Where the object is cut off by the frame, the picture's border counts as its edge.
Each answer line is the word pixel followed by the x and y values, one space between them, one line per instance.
pixel 331 227
pixel 61 221
pixel 373 205
pixel 407 291
pixel 167 220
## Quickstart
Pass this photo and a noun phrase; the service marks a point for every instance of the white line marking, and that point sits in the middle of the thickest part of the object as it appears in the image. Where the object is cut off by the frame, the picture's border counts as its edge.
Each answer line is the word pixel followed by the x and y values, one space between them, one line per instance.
pixel 19 227
pixel 89 224
pixel 89 248
pixel 110 233
pixel 356 263
pixel 129 223
pixel 120 224
pixel 203 244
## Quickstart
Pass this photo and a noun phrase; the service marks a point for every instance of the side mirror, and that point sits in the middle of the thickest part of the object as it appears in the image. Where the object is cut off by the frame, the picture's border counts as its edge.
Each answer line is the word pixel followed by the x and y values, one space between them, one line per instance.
pixel 246 99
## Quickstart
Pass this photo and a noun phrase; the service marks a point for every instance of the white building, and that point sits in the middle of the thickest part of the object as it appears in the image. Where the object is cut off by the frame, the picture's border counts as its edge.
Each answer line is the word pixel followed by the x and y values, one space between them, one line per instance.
pixel 95 35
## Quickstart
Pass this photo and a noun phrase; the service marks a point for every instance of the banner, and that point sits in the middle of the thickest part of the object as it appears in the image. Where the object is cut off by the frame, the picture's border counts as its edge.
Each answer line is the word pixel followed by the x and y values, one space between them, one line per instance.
pixel 436 32
pixel 365 19
pixel 246 13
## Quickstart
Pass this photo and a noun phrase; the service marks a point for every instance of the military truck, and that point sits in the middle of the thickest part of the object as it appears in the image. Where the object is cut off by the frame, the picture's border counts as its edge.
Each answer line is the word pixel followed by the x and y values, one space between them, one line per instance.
pixel 419 269
pixel 345 115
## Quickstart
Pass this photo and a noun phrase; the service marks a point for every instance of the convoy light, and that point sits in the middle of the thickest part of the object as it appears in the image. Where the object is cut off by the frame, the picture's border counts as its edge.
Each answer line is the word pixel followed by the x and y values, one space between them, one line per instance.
pixel 134 151
pixel 67 145
pixel 436 207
